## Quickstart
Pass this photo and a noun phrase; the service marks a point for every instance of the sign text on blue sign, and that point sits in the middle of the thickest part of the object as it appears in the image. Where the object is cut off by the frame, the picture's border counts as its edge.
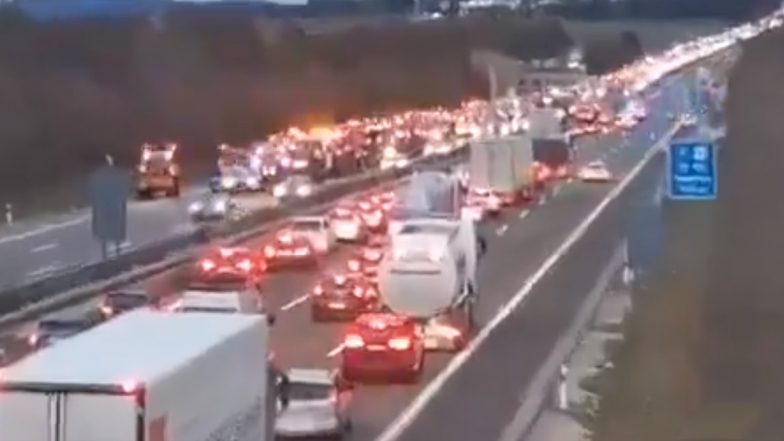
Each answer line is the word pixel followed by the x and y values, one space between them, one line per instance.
pixel 692 171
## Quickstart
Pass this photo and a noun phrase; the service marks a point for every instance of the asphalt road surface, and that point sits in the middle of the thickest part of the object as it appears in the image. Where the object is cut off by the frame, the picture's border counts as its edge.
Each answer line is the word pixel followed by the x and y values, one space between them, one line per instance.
pixel 477 402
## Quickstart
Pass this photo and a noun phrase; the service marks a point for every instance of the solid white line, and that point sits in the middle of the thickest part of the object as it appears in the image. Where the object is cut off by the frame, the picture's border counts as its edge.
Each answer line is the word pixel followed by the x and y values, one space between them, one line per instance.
pixel 42 270
pixel 523 214
pixel 336 351
pixel 536 393
pixel 407 416
pixel 44 229
pixel 295 302
pixel 42 248
pixel 502 229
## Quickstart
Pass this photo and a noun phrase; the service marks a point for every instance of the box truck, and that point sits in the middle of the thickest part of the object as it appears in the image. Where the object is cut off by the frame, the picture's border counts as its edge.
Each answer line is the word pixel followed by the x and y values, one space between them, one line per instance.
pixel 500 170
pixel 145 376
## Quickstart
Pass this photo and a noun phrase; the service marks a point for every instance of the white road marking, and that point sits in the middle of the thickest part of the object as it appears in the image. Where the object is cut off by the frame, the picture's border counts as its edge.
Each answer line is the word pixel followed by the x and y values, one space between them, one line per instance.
pixel 336 351
pixel 299 300
pixel 523 214
pixel 43 270
pixel 407 416
pixel 502 229
pixel 44 229
pixel 42 248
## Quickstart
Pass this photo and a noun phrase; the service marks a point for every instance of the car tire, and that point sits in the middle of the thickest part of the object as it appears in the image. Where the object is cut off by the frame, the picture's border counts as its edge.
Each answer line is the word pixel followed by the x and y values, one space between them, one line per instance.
pixel 412 376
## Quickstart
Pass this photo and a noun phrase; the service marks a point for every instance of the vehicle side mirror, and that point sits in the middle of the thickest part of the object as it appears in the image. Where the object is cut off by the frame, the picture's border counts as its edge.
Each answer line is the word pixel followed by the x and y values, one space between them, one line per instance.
pixel 271 319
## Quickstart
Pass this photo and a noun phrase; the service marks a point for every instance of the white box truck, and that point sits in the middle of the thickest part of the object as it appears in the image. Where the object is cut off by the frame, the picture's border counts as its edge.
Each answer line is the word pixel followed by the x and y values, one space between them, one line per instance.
pixel 145 376
pixel 501 167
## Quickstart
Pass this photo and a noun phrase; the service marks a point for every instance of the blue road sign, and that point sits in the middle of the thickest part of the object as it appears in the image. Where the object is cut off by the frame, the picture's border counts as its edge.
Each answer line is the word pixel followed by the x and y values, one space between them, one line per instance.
pixel 692 170
pixel 109 190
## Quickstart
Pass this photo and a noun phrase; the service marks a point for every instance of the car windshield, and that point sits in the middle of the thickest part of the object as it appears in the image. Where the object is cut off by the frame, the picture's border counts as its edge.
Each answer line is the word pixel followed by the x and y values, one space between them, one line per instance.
pixel 127 300
pixel 306 225
pixel 309 391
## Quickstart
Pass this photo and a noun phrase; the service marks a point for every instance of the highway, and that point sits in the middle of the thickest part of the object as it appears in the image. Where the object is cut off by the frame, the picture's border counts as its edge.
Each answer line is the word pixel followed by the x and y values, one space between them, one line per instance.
pixel 489 383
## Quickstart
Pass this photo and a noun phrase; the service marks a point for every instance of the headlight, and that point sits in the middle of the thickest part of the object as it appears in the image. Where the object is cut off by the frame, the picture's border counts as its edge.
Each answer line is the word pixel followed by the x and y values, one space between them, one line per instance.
pixel 252 182
pixel 279 191
pixel 195 207
pixel 304 190
pixel 228 182
pixel 220 206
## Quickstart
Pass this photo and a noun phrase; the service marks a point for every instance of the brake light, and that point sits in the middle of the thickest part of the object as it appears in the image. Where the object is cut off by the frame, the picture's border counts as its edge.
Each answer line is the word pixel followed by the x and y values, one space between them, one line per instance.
pixel 32 339
pixel 269 251
pixel 318 290
pixel 353 265
pixel 106 310
pixel 358 291
pixel 245 265
pixel 353 341
pixel 129 386
pixel 400 343
pixel 207 265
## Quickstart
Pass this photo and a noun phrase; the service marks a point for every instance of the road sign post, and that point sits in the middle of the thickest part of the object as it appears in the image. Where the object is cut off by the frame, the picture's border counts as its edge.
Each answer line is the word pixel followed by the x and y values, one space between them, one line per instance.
pixel 692 172
pixel 109 189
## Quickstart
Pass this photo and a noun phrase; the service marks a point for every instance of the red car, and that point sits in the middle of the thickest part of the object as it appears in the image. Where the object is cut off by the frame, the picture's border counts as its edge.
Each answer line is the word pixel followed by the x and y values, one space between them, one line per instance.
pixel 288 250
pixel 366 261
pixel 342 297
pixel 230 264
pixel 383 346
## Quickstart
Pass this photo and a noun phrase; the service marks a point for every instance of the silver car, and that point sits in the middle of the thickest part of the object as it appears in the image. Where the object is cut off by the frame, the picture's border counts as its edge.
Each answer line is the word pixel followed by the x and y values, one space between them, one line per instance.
pixel 212 207
pixel 313 403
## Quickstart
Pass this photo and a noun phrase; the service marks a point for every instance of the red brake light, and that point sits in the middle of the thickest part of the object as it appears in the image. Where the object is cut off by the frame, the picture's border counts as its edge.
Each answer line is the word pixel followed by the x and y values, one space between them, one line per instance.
pixel 353 341
pixel 353 265
pixel 207 265
pixel 318 290
pixel 129 386
pixel 32 339
pixel 245 265
pixel 269 251
pixel 400 343
pixel 106 310
pixel 358 291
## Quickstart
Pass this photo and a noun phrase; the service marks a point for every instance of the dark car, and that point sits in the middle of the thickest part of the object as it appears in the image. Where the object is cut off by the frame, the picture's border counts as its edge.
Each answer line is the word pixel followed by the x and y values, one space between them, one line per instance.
pixel 118 302
pixel 53 330
pixel 342 297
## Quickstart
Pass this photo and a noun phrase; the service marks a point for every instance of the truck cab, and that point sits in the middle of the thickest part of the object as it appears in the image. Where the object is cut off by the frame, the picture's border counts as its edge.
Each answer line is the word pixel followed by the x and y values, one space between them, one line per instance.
pixel 158 171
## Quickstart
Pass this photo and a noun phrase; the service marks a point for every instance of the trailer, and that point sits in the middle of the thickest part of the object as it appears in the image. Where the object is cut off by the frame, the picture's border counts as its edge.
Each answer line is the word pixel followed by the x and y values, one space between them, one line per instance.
pixel 430 272
pixel 146 376
pixel 501 168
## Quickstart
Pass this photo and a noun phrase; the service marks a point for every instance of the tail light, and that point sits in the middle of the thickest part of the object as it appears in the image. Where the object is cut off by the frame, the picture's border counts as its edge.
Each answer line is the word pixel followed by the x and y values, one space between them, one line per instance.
pixel 353 341
pixel 359 292
pixel 32 339
pixel 400 343
pixel 371 292
pixel 269 251
pixel 353 265
pixel 245 265
pixel 318 290
pixel 207 265
pixel 106 310
pixel 129 386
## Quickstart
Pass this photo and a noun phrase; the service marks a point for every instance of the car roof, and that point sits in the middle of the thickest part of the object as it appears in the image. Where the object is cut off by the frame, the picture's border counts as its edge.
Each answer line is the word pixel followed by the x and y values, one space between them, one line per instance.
pixel 310 376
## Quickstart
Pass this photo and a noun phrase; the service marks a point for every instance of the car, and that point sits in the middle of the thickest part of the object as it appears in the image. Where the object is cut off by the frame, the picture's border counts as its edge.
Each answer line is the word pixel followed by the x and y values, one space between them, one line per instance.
pixel 384 346
pixel 237 180
pixel 226 299
pixel 236 264
pixel 294 186
pixel 114 303
pixel 288 250
pixel 347 225
pixel 213 207
pixel 340 296
pixel 367 260
pixel 313 403
pixel 51 330
pixel 373 215
pixel 595 171
pixel 316 230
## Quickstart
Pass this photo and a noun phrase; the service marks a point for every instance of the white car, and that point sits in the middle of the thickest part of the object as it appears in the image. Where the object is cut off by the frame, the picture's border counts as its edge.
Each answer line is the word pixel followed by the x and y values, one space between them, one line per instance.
pixel 595 171
pixel 213 207
pixel 210 299
pixel 312 404
pixel 316 230
pixel 295 186
pixel 348 226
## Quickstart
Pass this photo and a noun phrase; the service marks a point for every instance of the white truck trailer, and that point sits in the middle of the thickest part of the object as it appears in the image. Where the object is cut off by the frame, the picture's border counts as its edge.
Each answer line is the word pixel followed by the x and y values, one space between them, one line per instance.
pixel 502 167
pixel 145 376
pixel 429 274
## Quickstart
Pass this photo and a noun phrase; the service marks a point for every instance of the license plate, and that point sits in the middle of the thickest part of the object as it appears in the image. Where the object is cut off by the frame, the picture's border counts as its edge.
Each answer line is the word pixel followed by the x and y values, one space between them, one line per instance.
pixel 284 253
pixel 337 305
pixel 376 348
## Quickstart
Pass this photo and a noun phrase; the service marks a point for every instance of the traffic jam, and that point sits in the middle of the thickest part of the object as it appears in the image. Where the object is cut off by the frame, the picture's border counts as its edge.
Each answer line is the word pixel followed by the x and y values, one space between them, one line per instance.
pixel 405 282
